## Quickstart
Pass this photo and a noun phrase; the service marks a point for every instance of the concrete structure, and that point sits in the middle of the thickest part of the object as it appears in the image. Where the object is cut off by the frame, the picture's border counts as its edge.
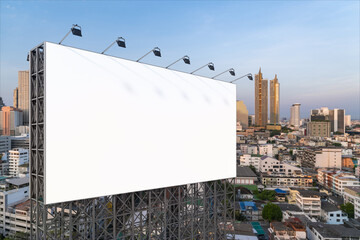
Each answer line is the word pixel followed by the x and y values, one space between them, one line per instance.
pixel 10 118
pixel 261 100
pixel 336 181
pixel 323 231
pixel 274 101
pixel 352 195
pixel 347 120
pixel 276 180
pixel 248 160
pixel 266 149
pixel 242 115
pixel 5 144
pixel 17 157
pixel 295 115
pixel 309 202
pixel 320 111
pixel 16 98
pixel 20 141
pixel 337 119
pixel 23 95
pixel 331 214
pixel 245 176
pixel 14 210
pixel 318 129
pixel 271 165
pixel 320 158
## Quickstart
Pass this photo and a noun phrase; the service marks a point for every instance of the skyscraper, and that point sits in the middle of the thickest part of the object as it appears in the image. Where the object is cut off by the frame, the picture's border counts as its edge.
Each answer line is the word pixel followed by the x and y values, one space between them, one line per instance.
pixel 10 118
pixel 347 120
pixel 261 100
pixel 23 95
pixel 242 114
pixel 16 98
pixel 337 119
pixel 274 101
pixel 295 115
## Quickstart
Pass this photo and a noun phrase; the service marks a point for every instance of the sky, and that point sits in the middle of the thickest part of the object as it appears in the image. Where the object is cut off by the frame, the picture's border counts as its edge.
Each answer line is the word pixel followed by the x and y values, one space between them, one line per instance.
pixel 312 46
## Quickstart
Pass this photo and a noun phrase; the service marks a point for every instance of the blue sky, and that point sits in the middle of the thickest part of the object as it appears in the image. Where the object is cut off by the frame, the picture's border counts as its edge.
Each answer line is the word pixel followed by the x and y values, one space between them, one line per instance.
pixel 313 46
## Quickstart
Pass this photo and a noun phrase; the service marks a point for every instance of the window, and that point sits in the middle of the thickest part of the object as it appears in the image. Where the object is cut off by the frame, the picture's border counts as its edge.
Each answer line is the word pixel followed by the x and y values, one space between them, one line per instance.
pixel 331 214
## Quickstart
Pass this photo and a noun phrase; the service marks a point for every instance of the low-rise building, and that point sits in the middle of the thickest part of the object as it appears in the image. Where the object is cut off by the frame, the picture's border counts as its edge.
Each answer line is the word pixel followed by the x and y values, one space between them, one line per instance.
pixel 331 214
pixel 321 158
pixel 17 157
pixel 275 180
pixel 245 176
pixel 249 160
pixel 336 181
pixel 273 166
pixel 323 231
pixel 352 195
pixel 309 201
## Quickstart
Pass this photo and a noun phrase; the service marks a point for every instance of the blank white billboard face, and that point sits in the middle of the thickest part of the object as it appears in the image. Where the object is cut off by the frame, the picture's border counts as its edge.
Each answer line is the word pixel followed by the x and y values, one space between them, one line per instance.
pixel 115 126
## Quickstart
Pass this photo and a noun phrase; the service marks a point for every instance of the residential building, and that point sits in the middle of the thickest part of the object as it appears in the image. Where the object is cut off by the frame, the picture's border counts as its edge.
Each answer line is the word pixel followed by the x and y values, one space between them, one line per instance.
pixel 336 181
pixel 309 202
pixel 242 115
pixel 320 158
pixel 10 118
pixel 274 101
pixel 279 231
pixel 273 166
pixel 276 180
pixel 20 141
pixel 295 115
pixel 261 100
pixel 17 157
pixel 5 144
pixel 245 176
pixel 248 160
pixel 250 210
pixel 266 149
pixel 242 231
pixel 23 95
pixel 323 231
pixel 331 214
pixel 352 195
pixel 337 119
pixel 318 129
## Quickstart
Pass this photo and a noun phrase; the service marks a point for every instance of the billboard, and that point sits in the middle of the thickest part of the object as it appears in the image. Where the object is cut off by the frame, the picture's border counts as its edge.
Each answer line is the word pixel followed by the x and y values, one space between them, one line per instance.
pixel 114 126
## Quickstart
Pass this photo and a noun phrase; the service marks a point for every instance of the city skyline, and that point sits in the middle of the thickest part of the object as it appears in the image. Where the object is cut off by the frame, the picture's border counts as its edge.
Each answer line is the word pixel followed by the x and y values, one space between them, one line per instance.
pixel 315 52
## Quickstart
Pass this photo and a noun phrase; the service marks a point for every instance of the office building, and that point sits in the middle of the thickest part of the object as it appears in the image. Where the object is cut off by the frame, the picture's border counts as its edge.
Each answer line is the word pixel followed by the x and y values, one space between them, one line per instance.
pixel 23 95
pixel 274 101
pixel 21 141
pixel 318 129
pixel 261 100
pixel 242 115
pixel 5 144
pixel 295 115
pixel 10 118
pixel 337 120
pixel 347 120
pixel 17 157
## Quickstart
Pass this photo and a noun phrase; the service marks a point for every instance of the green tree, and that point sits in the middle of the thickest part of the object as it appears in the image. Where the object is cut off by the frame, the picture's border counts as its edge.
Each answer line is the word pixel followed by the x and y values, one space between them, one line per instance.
pixel 272 212
pixel 239 216
pixel 348 208
pixel 266 195
pixel 337 144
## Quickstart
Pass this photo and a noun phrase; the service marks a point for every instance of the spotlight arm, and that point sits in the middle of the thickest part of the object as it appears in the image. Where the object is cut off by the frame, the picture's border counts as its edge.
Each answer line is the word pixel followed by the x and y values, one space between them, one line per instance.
pixel 249 74
pixel 65 36
pixel 109 47
pixel 222 73
pixel 146 54
pixel 177 61
pixel 200 68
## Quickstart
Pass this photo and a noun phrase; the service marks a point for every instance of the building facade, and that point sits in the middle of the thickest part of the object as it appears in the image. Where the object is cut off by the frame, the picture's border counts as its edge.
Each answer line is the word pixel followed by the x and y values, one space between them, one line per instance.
pixel 242 115
pixel 17 157
pixel 23 95
pixel 318 129
pixel 10 118
pixel 309 202
pixel 261 100
pixel 337 119
pixel 352 195
pixel 295 115
pixel 274 101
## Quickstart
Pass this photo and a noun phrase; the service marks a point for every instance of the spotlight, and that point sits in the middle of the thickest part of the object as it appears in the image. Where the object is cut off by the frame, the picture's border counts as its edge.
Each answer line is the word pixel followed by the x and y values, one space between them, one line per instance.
pixel 210 66
pixel 185 58
pixel 231 71
pixel 120 42
pixel 156 52
pixel 75 30
pixel 249 75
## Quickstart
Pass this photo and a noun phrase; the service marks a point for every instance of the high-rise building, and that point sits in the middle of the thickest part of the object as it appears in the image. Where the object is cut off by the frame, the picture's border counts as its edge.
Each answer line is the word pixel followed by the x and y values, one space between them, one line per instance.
pixel 274 101
pixel 2 104
pixel 347 120
pixel 242 114
pixel 10 118
pixel 16 98
pixel 23 95
pixel 337 119
pixel 318 129
pixel 295 115
pixel 261 100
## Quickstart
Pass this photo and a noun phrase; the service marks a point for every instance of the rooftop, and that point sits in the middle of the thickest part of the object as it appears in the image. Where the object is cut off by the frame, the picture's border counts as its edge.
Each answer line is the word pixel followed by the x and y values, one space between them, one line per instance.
pixel 289 207
pixel 334 231
pixel 18 181
pixel 328 207
pixel 245 172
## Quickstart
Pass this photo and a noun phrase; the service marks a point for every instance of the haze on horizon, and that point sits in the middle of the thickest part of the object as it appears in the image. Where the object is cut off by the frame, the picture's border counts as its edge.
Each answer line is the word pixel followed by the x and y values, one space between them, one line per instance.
pixel 312 46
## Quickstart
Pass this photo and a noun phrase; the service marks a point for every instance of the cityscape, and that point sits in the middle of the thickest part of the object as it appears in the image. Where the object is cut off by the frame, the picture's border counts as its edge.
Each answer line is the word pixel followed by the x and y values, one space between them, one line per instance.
pixel 297 168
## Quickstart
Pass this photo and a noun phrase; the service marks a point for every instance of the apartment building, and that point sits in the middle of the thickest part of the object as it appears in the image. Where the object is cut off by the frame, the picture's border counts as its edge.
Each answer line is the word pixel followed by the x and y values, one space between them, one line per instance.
pixel 248 160
pixel 273 166
pixel 352 195
pixel 266 149
pixel 309 202
pixel 336 181
pixel 320 158
pixel 5 144
pixel 331 214
pixel 286 181
pixel 17 157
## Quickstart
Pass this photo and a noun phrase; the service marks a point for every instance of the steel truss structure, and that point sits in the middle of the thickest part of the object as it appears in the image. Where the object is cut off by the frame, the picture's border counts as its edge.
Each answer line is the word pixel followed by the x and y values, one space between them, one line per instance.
pixel 203 210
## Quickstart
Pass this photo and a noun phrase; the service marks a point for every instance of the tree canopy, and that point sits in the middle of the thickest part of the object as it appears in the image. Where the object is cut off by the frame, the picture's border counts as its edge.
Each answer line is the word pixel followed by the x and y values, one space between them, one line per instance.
pixel 272 212
pixel 348 208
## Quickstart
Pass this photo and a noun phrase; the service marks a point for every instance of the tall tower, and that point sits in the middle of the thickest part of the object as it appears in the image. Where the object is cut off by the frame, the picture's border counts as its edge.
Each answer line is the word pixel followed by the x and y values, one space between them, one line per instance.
pixel 16 98
pixel 242 114
pixel 274 101
pixel 337 119
pixel 261 100
pixel 295 115
pixel 23 95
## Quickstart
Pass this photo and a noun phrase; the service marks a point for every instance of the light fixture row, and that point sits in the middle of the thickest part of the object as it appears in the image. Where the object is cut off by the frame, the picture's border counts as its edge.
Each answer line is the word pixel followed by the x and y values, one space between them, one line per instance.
pixel 76 31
